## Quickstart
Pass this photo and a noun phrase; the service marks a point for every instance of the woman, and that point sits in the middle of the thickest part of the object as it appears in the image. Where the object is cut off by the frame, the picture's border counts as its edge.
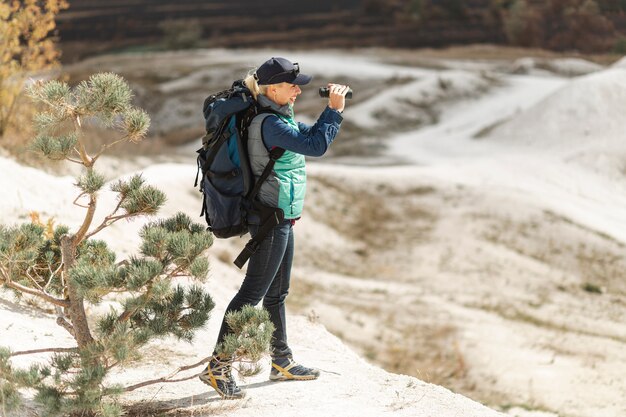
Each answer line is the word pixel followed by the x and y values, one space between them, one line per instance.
pixel 276 85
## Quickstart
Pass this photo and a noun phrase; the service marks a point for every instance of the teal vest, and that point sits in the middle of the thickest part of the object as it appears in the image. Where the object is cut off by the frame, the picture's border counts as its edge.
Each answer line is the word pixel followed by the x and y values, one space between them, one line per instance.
pixel 285 188
pixel 291 172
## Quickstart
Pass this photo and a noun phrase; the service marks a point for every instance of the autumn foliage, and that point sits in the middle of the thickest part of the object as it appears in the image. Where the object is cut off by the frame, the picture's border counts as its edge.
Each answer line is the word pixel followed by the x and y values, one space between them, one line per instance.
pixel 26 46
pixel 559 25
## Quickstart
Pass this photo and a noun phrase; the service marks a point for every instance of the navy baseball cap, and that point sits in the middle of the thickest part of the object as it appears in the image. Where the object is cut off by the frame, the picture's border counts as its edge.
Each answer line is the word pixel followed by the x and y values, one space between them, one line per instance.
pixel 280 70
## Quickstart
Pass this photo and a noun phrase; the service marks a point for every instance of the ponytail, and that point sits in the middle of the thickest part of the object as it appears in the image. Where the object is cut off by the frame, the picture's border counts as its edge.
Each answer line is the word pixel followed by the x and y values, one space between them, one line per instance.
pixel 253 86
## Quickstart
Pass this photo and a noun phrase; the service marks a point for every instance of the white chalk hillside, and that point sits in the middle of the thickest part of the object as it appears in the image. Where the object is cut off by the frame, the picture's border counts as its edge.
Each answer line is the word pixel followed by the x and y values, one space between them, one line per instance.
pixel 580 125
pixel 588 113
pixel 558 142
pixel 427 90
pixel 348 386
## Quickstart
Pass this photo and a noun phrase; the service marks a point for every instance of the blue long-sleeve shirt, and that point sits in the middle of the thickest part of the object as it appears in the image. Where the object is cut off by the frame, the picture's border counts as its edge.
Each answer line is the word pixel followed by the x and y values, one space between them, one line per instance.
pixel 307 140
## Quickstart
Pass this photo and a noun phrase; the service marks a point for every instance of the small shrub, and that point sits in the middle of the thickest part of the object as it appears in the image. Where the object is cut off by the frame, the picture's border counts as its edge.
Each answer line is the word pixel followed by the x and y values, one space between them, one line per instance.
pixel 592 288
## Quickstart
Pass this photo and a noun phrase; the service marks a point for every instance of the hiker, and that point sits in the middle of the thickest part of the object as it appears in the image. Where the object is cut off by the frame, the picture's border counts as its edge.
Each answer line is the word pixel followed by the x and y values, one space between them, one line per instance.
pixel 276 85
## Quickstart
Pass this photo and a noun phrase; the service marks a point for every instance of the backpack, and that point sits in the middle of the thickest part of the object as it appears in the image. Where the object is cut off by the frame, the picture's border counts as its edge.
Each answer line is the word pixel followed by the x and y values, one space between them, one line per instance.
pixel 228 186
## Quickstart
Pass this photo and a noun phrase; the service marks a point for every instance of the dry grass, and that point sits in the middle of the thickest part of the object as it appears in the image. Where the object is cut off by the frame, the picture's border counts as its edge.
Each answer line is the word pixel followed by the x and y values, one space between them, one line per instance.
pixel 423 348
pixel 429 352
pixel 183 408
pixel 372 217
pixel 598 260
pixel 489 52
pixel 301 293
pixel 516 314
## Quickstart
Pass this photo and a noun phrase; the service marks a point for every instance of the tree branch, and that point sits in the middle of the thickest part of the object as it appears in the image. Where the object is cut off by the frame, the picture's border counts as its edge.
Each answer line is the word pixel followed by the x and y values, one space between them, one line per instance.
pixel 75 202
pixel 166 379
pixel 76 308
pixel 76 161
pixel 105 147
pixel 33 279
pixel 127 314
pixel 38 293
pixel 109 220
pixel 77 152
pixel 66 325
pixel 52 275
pixel 176 271
pixel 87 161
pixel 31 352
pixel 91 210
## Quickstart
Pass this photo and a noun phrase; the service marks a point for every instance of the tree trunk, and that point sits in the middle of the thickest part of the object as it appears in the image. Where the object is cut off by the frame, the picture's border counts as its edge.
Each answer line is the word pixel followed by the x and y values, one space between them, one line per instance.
pixel 76 310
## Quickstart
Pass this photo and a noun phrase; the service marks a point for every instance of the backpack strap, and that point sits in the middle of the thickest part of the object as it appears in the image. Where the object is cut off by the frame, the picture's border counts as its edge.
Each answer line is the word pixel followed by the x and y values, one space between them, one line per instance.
pixel 195 183
pixel 224 135
pixel 272 217
pixel 275 155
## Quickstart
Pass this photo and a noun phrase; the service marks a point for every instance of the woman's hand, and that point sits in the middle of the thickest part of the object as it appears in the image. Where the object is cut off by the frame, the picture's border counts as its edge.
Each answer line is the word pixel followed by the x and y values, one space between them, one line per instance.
pixel 337 96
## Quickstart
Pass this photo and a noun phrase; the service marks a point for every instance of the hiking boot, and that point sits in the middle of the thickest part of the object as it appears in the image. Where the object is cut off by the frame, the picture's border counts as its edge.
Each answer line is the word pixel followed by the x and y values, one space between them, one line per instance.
pixel 285 369
pixel 218 375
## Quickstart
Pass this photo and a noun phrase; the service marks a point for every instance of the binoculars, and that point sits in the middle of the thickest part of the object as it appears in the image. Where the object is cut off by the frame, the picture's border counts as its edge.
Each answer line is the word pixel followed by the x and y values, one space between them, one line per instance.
pixel 325 92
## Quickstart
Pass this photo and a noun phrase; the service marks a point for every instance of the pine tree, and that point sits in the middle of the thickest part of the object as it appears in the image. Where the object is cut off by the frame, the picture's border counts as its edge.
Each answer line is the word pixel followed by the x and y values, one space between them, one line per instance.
pixel 70 268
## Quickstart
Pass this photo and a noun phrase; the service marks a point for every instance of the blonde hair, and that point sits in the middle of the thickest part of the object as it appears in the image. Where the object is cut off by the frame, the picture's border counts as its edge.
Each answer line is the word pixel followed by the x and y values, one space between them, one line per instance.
pixel 253 86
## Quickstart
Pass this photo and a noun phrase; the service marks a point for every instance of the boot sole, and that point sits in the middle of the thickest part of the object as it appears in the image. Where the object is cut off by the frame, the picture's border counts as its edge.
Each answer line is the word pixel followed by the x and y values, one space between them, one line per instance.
pixel 293 378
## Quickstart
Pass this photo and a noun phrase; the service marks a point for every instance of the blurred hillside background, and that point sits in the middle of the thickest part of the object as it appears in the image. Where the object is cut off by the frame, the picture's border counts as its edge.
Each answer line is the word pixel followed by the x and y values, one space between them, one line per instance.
pixel 591 29
pixel 589 26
